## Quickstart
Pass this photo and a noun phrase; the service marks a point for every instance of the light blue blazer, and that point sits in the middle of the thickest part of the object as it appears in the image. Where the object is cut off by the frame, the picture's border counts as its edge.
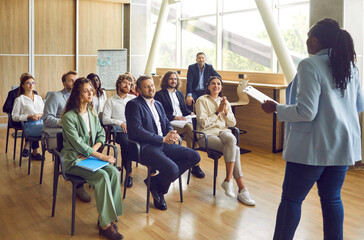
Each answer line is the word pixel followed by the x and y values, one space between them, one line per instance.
pixel 321 125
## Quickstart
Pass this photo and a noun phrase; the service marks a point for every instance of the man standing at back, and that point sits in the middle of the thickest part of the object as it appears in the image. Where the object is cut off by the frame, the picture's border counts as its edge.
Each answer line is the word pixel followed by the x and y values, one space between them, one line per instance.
pixel 52 124
pixel 176 109
pixel 197 76
pixel 147 123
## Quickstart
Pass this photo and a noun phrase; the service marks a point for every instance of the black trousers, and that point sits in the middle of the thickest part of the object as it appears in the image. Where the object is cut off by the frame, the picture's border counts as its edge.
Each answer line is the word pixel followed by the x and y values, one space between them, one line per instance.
pixel 122 140
pixel 170 160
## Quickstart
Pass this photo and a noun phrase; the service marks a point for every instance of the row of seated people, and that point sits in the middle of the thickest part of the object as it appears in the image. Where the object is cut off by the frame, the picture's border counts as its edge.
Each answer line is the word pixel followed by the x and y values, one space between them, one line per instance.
pixel 142 119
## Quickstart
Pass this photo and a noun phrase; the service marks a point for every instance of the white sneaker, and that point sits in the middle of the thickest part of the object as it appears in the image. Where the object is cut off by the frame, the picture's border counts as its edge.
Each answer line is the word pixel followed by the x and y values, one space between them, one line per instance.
pixel 244 197
pixel 229 188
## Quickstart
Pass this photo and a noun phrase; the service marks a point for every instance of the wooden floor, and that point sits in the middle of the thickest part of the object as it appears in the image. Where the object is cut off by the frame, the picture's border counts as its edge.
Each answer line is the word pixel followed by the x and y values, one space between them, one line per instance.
pixel 25 206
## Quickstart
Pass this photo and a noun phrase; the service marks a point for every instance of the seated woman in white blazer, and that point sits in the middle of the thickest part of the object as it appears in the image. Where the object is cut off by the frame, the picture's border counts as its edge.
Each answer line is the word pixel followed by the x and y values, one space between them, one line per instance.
pixel 214 116
pixel 28 107
pixel 322 133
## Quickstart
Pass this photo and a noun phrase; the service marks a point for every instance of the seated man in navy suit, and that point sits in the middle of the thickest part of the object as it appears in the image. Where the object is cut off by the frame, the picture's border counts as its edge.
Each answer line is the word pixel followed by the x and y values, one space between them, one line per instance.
pixel 147 123
pixel 175 107
pixel 197 76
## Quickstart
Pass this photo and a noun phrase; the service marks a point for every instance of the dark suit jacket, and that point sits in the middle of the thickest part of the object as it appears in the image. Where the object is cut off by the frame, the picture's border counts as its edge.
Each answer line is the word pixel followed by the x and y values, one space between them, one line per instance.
pixel 9 102
pixel 193 76
pixel 163 97
pixel 140 122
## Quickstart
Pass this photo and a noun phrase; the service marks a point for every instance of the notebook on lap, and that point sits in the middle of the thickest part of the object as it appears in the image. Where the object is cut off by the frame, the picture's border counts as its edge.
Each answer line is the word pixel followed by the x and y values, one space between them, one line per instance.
pixel 92 164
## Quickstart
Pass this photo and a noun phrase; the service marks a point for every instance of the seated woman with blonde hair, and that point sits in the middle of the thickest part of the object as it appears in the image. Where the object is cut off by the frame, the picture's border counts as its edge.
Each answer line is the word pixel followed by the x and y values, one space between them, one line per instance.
pixel 82 137
pixel 214 116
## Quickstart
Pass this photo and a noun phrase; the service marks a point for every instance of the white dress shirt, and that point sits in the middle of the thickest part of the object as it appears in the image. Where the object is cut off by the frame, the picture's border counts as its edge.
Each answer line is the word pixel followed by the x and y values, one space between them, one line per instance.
pixel 175 104
pixel 114 110
pixel 24 106
pixel 155 115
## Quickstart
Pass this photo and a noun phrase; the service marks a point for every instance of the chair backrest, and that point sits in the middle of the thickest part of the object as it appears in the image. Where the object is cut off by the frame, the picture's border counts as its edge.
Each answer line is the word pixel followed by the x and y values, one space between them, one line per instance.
pixel 100 118
pixel 59 158
pixel 194 142
pixel 243 97
pixel 59 141
pixel 12 124
pixel 107 129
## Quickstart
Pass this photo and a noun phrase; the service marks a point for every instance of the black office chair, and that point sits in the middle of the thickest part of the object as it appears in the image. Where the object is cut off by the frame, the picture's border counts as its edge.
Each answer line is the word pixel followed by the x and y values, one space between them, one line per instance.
pixel 75 180
pixel 213 154
pixel 30 139
pixel 17 127
pixel 110 133
pixel 46 146
pixel 138 160
pixel 110 137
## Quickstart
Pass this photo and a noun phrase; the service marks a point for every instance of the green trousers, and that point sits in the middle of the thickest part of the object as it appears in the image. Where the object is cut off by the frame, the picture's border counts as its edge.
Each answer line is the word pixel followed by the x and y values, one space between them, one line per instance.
pixel 106 182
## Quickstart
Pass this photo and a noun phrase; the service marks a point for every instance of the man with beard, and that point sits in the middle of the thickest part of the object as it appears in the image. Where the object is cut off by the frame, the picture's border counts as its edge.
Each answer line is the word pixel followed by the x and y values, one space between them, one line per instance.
pixel 114 114
pixel 52 124
pixel 176 109
pixel 149 125
pixel 197 76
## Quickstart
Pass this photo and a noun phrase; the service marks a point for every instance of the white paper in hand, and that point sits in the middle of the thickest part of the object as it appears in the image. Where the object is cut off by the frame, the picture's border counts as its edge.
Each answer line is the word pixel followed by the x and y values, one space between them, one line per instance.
pixel 256 94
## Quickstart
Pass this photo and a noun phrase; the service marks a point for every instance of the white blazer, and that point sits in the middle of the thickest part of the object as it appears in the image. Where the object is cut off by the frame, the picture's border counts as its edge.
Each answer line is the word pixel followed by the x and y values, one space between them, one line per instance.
pixel 321 124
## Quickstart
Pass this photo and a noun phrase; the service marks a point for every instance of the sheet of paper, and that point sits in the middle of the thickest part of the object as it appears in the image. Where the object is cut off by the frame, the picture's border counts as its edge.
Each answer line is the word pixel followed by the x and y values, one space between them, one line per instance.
pixel 181 123
pixel 256 94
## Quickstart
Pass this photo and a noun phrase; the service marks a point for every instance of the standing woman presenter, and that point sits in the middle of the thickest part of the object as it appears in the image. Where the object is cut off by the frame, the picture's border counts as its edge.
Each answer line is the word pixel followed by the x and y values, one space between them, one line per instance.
pixel 322 133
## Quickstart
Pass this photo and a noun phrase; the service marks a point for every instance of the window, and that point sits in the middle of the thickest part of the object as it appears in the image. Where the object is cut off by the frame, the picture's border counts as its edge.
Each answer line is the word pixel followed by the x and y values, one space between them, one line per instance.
pixel 245 44
pixel 198 35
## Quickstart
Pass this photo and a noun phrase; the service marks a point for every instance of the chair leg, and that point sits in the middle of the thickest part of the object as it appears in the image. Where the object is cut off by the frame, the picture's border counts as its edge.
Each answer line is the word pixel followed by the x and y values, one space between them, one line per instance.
pixel 16 138
pixel 21 149
pixel 121 173
pixel 108 150
pixel 128 165
pixel 189 176
pixel 42 165
pixel 30 156
pixel 148 188
pixel 7 140
pixel 216 165
pixel 55 185
pixel 74 185
pixel 122 168
pixel 180 188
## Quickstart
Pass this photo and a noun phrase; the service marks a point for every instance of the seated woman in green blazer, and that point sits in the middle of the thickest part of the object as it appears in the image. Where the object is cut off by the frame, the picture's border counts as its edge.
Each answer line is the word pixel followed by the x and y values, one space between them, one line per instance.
pixel 82 137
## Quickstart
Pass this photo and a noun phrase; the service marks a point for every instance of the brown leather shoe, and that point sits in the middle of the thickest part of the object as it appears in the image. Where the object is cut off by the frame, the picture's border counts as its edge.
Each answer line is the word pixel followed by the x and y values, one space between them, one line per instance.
pixel 83 195
pixel 111 233
pixel 112 223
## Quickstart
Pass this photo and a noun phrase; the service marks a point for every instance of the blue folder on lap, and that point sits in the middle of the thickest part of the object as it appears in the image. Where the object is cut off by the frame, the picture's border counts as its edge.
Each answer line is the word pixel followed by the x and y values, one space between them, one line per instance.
pixel 92 164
